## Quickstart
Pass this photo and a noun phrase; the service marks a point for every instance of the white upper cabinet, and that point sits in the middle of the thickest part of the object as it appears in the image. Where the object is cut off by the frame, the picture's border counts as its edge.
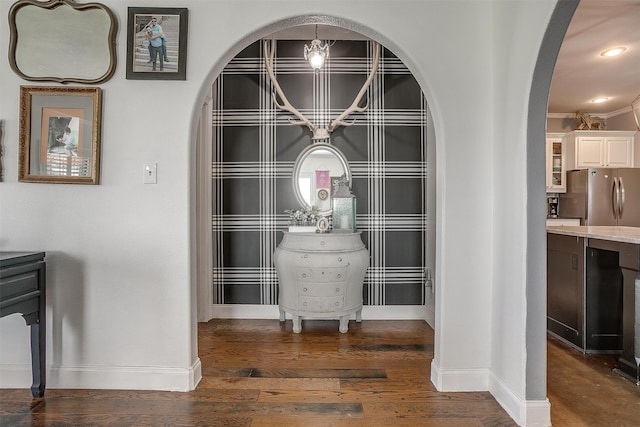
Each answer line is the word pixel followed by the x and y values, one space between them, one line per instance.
pixel 598 149
pixel 556 163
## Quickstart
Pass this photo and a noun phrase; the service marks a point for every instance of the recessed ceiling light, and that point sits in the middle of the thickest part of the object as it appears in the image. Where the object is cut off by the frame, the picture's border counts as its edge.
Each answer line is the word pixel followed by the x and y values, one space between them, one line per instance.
pixel 613 52
pixel 599 100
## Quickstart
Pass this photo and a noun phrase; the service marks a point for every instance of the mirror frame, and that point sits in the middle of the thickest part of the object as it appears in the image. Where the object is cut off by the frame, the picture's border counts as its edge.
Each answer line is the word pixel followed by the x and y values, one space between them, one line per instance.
pixel 55 50
pixel 298 166
pixel 635 109
pixel 51 102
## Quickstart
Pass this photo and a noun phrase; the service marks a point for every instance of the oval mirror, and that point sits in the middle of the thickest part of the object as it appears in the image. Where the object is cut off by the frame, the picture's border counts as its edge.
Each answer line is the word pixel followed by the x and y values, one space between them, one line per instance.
pixel 313 173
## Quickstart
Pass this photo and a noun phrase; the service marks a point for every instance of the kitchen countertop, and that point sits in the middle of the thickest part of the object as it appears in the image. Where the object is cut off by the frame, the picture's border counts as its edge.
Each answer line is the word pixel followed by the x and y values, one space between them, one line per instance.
pixel 612 233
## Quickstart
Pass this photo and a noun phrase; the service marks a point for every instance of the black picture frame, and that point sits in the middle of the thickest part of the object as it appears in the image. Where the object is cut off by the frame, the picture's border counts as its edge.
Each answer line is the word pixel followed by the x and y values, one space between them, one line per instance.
pixel 174 23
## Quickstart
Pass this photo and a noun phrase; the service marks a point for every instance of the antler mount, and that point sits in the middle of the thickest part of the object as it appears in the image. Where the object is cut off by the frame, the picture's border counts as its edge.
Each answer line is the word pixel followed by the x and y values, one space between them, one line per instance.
pixel 319 133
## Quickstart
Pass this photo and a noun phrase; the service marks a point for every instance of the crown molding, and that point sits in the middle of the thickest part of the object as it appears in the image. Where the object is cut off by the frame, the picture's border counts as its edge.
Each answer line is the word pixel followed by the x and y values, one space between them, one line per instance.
pixel 602 116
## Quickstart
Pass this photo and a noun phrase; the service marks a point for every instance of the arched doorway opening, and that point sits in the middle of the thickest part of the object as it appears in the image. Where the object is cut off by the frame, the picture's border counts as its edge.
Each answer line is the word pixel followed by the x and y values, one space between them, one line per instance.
pixel 403 283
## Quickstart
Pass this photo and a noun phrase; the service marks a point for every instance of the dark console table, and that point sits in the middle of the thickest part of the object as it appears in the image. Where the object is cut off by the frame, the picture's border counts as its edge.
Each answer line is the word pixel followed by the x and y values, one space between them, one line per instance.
pixel 22 290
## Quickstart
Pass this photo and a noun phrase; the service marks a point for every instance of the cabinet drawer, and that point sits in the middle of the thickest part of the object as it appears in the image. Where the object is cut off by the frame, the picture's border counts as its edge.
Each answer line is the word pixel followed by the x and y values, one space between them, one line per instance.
pixel 321 274
pixel 19 284
pixel 311 259
pixel 321 304
pixel 343 242
pixel 321 289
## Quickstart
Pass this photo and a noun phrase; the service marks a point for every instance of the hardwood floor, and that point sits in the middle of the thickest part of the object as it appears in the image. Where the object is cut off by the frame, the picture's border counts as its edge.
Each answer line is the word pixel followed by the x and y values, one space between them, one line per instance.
pixel 258 373
pixel 584 390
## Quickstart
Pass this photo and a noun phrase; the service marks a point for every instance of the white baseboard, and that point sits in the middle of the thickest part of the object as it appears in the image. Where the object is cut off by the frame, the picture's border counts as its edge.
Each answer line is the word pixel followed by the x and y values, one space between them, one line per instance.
pixel 459 379
pixel 369 312
pixel 106 377
pixel 530 413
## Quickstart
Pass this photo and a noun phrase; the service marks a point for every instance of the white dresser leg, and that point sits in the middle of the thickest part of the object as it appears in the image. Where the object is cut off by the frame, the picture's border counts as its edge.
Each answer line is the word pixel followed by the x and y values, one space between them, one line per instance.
pixel 359 316
pixel 282 315
pixel 344 324
pixel 297 323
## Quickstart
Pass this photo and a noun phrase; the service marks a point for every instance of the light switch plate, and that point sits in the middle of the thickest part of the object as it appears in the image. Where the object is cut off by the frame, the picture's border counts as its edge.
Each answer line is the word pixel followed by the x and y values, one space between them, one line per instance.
pixel 150 173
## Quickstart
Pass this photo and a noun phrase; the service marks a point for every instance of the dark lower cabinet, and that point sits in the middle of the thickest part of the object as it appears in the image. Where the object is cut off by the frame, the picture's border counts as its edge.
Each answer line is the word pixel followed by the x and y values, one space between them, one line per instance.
pixel 593 297
pixel 603 302
pixel 565 289
pixel 630 265
pixel 584 293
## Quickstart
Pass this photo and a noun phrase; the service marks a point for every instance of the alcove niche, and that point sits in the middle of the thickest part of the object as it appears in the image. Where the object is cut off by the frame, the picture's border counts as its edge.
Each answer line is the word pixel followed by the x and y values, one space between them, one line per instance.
pixel 390 149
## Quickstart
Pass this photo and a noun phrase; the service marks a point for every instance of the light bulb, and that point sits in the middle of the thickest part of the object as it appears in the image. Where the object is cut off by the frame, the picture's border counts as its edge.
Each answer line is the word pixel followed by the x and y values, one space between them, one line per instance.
pixel 613 52
pixel 316 60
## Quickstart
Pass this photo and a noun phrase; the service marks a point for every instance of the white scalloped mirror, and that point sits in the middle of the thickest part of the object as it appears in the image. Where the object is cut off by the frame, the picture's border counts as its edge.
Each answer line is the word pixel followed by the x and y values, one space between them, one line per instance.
pixel 62 41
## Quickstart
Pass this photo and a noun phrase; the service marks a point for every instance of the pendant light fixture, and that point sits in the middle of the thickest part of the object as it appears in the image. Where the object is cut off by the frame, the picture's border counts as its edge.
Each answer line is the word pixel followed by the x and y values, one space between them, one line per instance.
pixel 317 53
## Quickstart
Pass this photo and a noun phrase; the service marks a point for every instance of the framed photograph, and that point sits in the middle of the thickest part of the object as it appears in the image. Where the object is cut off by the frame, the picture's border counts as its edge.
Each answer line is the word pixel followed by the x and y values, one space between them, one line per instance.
pixel 157 43
pixel 60 134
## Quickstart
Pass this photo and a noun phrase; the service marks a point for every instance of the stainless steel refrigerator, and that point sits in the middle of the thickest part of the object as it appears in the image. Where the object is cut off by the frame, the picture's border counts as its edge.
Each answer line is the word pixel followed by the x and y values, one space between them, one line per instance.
pixel 602 196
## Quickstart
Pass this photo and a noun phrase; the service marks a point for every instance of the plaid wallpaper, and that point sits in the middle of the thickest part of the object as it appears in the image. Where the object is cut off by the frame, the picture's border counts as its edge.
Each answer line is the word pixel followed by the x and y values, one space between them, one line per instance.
pixel 254 149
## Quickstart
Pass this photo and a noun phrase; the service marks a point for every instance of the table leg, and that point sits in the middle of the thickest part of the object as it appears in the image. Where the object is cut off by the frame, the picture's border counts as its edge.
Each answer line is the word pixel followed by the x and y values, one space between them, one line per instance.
pixel 38 358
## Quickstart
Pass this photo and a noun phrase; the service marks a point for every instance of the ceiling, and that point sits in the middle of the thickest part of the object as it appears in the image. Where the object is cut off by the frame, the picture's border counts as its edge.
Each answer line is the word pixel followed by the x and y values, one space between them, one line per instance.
pixel 581 73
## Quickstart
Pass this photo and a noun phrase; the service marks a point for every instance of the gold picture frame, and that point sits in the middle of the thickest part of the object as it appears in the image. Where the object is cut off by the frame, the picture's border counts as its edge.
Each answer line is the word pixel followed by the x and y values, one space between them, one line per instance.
pixel 59 137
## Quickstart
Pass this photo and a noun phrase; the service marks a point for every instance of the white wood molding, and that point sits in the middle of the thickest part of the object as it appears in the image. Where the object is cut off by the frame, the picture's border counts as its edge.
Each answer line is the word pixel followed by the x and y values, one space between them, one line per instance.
pixel 107 377
pixel 523 412
pixel 204 255
pixel 369 312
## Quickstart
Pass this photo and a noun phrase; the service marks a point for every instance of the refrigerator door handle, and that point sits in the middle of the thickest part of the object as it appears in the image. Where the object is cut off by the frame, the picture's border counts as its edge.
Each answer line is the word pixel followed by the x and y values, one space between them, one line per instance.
pixel 621 198
pixel 615 197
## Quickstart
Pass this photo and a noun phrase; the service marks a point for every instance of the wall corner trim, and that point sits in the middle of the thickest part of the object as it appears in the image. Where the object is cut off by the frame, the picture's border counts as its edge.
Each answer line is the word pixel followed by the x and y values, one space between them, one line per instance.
pixel 524 412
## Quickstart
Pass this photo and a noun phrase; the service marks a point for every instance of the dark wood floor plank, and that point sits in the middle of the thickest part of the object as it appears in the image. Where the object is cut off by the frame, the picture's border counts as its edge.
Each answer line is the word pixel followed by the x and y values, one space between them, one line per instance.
pixel 72 420
pixel 352 396
pixel 389 421
pixel 270 383
pixel 318 373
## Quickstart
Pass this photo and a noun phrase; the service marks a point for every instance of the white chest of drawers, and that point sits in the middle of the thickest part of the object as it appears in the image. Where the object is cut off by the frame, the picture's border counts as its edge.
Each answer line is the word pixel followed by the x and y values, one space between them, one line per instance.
pixel 321 276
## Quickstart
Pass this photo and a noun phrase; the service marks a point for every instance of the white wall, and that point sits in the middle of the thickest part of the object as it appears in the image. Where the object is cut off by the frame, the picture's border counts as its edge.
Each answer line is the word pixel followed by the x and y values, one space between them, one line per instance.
pixel 120 267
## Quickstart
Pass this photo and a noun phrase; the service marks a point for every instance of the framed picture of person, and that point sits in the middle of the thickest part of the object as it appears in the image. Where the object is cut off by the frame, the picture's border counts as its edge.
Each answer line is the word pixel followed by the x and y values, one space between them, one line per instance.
pixel 60 131
pixel 157 43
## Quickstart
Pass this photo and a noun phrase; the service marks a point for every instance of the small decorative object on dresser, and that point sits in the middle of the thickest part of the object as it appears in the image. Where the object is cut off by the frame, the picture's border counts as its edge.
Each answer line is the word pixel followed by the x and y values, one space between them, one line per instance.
pixel 343 204
pixel 303 220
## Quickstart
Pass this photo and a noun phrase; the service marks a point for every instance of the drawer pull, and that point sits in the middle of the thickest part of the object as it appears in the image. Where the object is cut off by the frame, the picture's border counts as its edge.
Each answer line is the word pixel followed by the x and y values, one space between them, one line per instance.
pixel 339 259
pixel 322 243
pixel 339 276
pixel 337 303
pixel 337 289
pixel 304 274
pixel 306 256
pixel 305 304
pixel 304 290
